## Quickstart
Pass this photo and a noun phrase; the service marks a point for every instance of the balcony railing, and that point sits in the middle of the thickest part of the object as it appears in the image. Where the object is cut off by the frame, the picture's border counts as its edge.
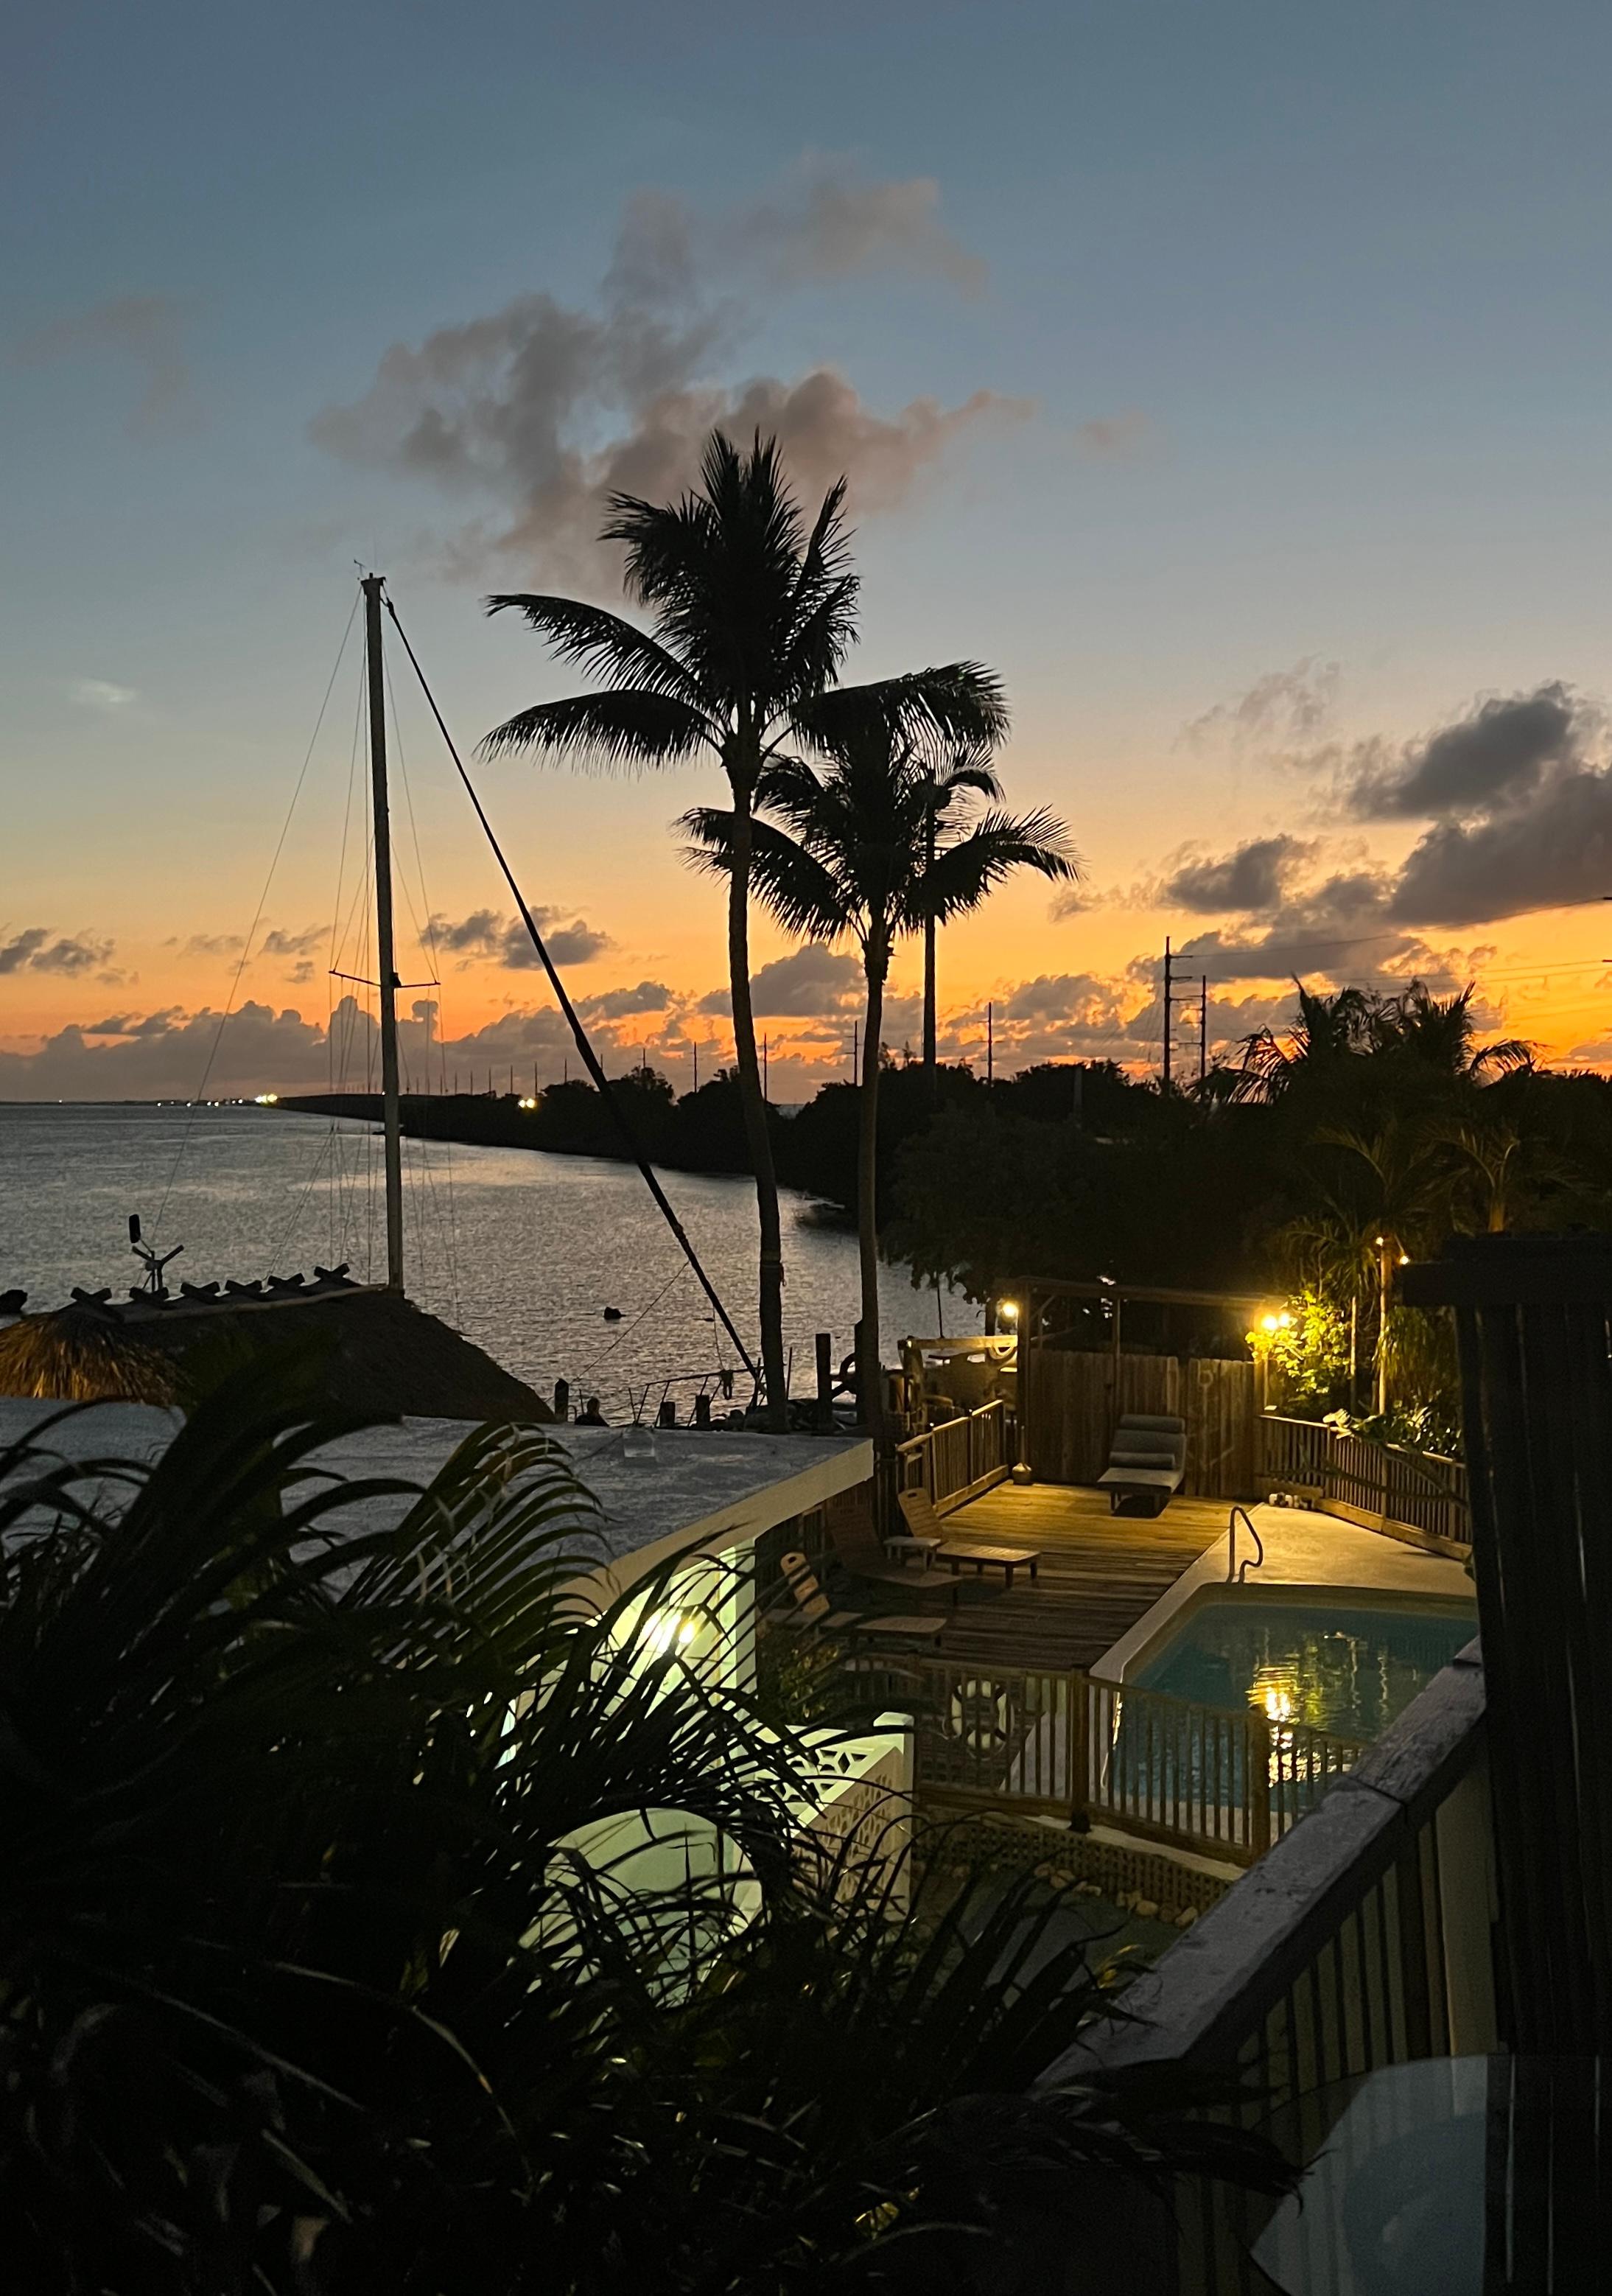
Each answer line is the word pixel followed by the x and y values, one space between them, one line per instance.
pixel 1363 1940
pixel 1415 1494
pixel 960 1458
pixel 1163 1768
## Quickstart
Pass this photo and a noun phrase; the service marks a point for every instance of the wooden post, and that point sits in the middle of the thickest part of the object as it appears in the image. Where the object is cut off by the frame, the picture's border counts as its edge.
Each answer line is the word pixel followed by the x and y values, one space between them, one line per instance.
pixel 1257 1784
pixel 1080 1744
pixel 1533 1316
pixel 824 1344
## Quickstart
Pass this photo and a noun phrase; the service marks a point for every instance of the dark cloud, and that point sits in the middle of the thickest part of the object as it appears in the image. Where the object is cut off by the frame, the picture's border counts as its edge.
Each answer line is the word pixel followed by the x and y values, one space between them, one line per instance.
pixel 621 1004
pixel 125 1024
pixel 146 330
pixel 550 407
pixel 32 950
pixel 278 942
pixel 489 933
pixel 1498 754
pixel 809 982
pixel 1554 849
pixel 210 945
pixel 1253 877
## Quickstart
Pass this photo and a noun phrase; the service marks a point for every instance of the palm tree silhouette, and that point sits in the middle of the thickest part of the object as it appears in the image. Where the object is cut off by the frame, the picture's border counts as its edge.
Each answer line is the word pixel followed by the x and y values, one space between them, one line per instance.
pixel 753 613
pixel 844 851
pixel 949 792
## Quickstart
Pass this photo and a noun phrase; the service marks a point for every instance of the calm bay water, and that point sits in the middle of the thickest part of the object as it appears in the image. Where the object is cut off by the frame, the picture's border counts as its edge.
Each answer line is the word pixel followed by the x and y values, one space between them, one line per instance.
pixel 519 1251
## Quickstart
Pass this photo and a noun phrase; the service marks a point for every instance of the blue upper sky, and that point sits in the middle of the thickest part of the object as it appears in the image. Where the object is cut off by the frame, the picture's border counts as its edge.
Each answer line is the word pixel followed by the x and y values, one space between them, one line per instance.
pixel 1295 321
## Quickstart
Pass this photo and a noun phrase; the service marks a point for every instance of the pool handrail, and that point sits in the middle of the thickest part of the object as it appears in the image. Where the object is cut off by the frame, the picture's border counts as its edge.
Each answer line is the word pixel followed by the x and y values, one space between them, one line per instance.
pixel 1236 1574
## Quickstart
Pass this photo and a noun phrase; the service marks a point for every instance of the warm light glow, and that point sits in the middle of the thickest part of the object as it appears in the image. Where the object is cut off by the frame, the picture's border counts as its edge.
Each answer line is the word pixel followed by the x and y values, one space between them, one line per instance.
pixel 1270 1323
pixel 1008 1307
pixel 667 1631
pixel 1404 1259
pixel 266 1099
pixel 1380 1239
pixel 529 1101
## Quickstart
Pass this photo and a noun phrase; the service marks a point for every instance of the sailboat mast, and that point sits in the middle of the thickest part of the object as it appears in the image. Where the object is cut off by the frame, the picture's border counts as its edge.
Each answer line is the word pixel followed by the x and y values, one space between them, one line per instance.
pixel 372 585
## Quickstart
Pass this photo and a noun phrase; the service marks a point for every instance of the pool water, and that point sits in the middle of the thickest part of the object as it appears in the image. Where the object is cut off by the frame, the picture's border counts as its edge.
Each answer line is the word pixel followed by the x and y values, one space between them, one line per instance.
pixel 1349 1669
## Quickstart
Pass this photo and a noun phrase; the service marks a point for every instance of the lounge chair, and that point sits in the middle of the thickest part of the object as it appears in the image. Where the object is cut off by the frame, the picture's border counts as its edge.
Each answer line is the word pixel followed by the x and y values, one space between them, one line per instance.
pixel 857 1549
pixel 918 1511
pixel 813 1609
pixel 1146 1461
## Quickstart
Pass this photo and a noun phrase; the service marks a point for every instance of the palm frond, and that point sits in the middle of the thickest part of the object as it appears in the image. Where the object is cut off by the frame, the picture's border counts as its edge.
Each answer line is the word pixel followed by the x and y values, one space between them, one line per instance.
pixel 612 728
pixel 963 872
pixel 603 643
pixel 933 712
pixel 802 894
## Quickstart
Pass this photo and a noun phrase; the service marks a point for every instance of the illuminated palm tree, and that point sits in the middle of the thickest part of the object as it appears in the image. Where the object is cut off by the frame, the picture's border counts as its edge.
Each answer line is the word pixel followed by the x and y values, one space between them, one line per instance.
pixel 752 613
pixel 844 851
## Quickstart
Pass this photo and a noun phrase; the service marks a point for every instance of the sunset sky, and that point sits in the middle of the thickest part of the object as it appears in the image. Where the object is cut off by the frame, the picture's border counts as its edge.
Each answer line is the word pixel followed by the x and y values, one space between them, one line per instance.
pixel 1234 379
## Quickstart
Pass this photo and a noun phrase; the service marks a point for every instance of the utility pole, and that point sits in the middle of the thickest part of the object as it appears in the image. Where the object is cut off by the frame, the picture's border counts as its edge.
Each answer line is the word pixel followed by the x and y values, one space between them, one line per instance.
pixel 765 1043
pixel 1203 1028
pixel 856 1050
pixel 1169 1016
pixel 695 1041
pixel 990 1043
pixel 372 585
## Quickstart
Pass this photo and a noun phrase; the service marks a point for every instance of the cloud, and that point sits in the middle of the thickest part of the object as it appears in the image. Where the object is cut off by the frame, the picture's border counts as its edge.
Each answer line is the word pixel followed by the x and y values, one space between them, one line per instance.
pixel 210 945
pixel 148 331
pixel 554 406
pixel 1253 877
pixel 1116 438
pixel 620 1004
pixel 98 693
pixel 809 982
pixel 1497 754
pixel 32 950
pixel 489 933
pixel 277 942
pixel 1281 711
pixel 124 1024
pixel 1552 849
pixel 832 224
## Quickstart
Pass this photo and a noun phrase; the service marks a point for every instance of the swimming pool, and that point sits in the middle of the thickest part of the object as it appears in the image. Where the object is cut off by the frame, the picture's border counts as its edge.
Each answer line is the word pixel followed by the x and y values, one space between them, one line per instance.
pixel 1347 1666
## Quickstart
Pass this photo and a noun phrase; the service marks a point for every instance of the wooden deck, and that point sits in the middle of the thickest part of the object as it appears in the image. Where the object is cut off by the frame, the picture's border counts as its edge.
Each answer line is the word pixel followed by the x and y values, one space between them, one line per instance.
pixel 1098 1572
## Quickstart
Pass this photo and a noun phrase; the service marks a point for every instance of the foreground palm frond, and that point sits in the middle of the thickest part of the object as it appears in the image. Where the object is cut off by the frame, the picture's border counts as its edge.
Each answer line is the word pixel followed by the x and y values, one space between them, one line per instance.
pixel 381 1910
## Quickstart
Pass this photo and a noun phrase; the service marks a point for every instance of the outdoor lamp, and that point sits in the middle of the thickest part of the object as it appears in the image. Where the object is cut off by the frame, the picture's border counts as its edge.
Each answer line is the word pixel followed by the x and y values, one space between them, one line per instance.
pixel 1010 1308
pixel 1270 1323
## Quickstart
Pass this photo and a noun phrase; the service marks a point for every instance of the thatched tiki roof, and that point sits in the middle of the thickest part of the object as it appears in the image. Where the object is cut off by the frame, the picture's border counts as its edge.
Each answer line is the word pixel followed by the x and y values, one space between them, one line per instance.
pixel 378 1354
pixel 79 1354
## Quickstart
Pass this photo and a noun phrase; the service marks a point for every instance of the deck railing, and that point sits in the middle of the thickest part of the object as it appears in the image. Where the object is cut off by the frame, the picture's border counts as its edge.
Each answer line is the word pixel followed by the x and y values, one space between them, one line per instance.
pixel 1365 1942
pixel 960 1458
pixel 1380 1484
pixel 1164 1768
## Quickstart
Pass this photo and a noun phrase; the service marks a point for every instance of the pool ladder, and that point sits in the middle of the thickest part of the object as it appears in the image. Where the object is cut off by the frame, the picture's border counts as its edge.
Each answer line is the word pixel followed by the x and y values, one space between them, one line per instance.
pixel 1236 1572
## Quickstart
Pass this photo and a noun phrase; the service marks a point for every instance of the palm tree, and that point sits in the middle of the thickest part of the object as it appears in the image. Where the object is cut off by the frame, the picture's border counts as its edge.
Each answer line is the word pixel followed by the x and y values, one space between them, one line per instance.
pixel 753 613
pixel 964 777
pixel 1389 1192
pixel 845 851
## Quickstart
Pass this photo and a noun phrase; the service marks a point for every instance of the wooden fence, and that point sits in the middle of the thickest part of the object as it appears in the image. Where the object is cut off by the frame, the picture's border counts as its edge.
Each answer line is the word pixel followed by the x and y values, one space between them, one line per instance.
pixel 955 1462
pixel 1412 1494
pixel 1075 1397
pixel 1164 1768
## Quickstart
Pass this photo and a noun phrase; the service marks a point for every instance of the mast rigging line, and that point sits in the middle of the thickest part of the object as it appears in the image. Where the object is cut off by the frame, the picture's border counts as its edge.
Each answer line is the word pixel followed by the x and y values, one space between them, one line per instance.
pixel 579 1034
